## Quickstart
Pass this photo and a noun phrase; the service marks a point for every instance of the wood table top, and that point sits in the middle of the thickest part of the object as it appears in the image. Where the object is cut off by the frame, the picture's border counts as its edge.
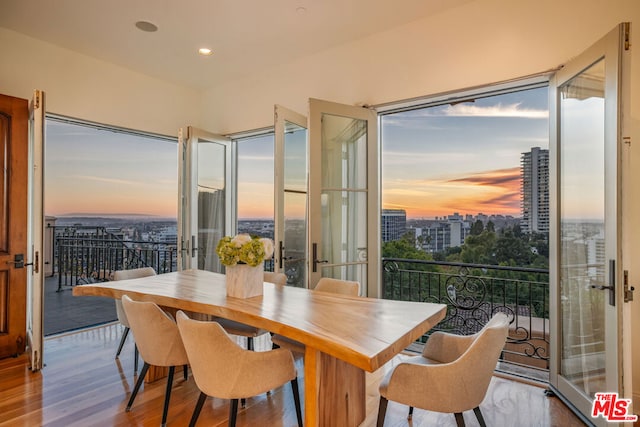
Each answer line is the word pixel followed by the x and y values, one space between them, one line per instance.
pixel 365 332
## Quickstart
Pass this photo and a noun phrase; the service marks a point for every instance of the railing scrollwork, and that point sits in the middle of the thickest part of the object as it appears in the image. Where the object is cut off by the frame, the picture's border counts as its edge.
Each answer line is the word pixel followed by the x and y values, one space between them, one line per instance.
pixel 473 294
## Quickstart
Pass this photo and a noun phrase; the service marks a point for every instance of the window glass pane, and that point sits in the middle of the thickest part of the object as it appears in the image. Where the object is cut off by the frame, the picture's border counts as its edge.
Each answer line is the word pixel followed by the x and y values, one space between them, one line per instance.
pixel 482 163
pixel 295 157
pixel 295 238
pixel 344 152
pixel 582 229
pixel 255 185
pixel 211 203
pixel 101 172
pixel 344 233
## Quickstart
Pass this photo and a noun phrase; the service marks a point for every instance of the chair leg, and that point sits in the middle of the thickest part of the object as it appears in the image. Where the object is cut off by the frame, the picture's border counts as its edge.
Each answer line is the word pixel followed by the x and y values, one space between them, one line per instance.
pixel 135 358
pixel 197 409
pixel 296 400
pixel 382 411
pixel 459 419
pixel 145 368
pixel 479 416
pixel 410 416
pixel 233 412
pixel 185 370
pixel 250 343
pixel 122 340
pixel 167 395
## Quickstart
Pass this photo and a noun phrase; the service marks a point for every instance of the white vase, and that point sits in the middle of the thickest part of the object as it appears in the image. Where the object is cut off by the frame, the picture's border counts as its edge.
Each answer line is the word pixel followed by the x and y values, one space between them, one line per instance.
pixel 244 281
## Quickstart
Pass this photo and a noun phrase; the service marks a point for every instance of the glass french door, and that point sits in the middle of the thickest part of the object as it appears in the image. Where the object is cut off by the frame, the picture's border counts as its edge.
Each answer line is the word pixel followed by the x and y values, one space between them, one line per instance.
pixel 587 265
pixel 344 207
pixel 290 196
pixel 35 232
pixel 207 197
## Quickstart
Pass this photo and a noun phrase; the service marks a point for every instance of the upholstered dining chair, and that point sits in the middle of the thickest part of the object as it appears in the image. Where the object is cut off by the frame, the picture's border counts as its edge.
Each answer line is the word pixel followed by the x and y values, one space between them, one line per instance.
pixel 452 375
pixel 325 284
pixel 122 316
pixel 159 342
pixel 250 332
pixel 223 369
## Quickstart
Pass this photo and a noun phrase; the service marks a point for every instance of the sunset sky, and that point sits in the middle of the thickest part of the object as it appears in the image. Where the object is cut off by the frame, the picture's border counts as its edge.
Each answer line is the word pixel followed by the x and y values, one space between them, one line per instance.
pixel 463 158
pixel 99 172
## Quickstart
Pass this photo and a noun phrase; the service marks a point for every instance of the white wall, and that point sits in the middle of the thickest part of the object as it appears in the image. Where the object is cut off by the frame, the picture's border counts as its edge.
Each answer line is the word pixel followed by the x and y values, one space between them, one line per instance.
pixel 86 88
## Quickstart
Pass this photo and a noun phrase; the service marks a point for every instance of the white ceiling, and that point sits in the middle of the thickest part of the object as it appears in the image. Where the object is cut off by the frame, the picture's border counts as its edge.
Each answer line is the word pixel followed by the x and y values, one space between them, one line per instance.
pixel 245 35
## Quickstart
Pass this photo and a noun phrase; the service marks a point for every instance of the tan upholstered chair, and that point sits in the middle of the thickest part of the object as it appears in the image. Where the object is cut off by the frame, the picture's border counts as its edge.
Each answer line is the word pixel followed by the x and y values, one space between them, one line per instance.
pixel 338 286
pixel 250 332
pixel 277 278
pixel 159 342
pixel 325 284
pixel 451 376
pixel 122 316
pixel 225 370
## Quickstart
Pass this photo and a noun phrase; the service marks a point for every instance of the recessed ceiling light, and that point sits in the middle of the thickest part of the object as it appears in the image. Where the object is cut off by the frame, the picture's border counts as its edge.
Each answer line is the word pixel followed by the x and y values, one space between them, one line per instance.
pixel 301 10
pixel 205 51
pixel 147 26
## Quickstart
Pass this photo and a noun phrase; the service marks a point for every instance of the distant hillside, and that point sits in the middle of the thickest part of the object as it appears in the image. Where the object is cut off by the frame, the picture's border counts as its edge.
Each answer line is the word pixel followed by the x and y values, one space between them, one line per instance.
pixel 109 220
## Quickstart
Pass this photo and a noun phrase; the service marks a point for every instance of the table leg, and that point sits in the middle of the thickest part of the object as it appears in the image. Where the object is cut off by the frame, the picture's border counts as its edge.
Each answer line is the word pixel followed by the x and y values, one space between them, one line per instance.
pixel 334 391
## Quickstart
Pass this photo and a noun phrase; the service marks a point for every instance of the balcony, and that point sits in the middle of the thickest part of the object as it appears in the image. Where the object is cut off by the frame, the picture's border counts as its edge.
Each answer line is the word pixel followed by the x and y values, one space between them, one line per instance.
pixel 472 292
pixel 77 255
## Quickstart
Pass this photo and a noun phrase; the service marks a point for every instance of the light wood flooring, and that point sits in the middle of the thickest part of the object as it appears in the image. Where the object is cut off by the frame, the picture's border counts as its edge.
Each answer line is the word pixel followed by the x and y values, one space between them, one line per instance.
pixel 83 385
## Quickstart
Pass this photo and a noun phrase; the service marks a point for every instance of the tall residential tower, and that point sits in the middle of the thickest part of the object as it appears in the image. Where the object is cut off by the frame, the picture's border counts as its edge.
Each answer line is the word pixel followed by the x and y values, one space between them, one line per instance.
pixel 534 170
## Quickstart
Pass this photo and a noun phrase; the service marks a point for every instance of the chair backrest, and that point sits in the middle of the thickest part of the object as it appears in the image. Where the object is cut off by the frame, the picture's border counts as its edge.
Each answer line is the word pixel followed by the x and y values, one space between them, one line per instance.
pixel 223 369
pixel 337 286
pixel 277 278
pixel 155 332
pixel 479 361
pixel 136 273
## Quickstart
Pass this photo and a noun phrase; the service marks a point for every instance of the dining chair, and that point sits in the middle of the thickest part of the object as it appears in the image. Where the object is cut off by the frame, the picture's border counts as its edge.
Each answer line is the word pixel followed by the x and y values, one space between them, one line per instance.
pixel 452 375
pixel 223 369
pixel 122 316
pixel 159 342
pixel 325 284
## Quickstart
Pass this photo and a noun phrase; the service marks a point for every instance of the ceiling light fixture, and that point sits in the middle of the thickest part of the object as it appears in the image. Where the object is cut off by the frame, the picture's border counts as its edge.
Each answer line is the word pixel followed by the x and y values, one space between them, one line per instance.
pixel 205 51
pixel 301 10
pixel 147 26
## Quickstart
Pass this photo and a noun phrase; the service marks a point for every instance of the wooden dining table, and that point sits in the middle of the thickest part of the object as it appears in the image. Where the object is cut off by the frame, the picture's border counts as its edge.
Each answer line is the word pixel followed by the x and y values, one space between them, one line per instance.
pixel 344 336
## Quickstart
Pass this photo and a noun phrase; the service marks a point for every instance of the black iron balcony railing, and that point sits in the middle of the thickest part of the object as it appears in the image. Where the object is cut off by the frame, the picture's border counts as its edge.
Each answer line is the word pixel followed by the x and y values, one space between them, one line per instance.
pixel 473 293
pixel 90 254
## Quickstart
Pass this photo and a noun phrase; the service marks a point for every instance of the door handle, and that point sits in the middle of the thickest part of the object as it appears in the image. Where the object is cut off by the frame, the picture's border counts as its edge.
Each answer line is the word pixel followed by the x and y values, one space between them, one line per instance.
pixel 317 261
pixel 612 283
pixel 602 288
pixel 193 246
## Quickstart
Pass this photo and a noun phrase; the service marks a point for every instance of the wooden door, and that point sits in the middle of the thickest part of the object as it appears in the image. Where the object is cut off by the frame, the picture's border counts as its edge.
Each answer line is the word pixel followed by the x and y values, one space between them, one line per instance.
pixel 14 116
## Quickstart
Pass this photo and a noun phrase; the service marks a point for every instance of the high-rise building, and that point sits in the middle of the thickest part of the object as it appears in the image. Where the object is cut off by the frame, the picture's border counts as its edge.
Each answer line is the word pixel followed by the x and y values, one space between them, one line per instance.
pixel 440 235
pixel 534 170
pixel 394 224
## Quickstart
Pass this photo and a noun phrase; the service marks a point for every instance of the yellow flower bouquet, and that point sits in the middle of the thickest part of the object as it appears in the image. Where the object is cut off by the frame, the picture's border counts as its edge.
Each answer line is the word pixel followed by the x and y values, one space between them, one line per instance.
pixel 244 249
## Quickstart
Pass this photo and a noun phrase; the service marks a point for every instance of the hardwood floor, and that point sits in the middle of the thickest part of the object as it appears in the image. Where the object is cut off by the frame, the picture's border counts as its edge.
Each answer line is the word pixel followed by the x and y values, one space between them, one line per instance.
pixel 83 385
